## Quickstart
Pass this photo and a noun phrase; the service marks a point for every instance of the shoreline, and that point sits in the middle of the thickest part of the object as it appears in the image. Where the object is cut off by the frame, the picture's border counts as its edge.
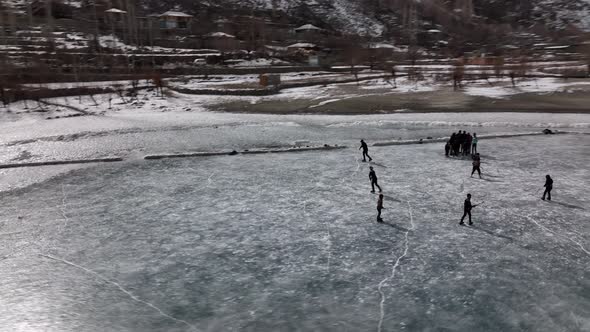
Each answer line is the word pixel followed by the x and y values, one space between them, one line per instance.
pixel 437 101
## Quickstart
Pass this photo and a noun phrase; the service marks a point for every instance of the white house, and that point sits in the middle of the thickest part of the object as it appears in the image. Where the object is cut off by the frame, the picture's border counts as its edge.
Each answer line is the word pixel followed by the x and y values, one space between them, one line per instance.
pixel 175 20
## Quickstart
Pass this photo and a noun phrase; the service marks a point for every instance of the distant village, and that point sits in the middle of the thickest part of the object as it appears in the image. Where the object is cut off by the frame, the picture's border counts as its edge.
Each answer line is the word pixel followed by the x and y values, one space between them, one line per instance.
pixel 101 27
pixel 48 36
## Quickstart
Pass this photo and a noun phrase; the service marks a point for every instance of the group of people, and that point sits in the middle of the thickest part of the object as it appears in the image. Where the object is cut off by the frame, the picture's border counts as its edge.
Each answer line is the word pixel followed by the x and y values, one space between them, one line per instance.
pixel 461 143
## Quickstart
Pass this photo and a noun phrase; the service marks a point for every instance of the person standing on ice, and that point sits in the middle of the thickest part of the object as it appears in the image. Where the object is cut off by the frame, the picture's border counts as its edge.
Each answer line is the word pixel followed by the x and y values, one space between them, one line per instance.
pixel 474 144
pixel 476 165
pixel 460 143
pixel 548 187
pixel 457 144
pixel 373 178
pixel 447 148
pixel 379 207
pixel 467 145
pixel 365 151
pixel 452 141
pixel 467 210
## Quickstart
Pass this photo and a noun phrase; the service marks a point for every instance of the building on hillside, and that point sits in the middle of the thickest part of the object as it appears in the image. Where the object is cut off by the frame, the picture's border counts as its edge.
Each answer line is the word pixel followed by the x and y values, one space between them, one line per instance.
pixel 309 32
pixel 225 25
pixel 221 41
pixel 379 50
pixel 171 20
pixel 308 28
pixel 114 16
pixel 303 48
pixel 275 50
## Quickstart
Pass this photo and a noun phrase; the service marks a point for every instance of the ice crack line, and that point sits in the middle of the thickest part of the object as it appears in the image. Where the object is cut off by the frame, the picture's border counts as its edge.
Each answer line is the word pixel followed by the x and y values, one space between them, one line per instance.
pixel 559 235
pixel 209 180
pixel 352 174
pixel 126 292
pixel 394 269
pixel 64 206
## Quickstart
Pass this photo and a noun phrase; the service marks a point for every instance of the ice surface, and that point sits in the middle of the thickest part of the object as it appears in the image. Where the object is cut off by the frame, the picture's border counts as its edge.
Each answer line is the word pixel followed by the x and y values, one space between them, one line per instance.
pixel 289 242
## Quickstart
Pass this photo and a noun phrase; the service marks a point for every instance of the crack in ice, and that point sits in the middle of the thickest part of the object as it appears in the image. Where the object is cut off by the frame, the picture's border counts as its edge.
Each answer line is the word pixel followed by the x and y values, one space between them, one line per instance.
pixel 209 180
pixel 123 290
pixel 64 206
pixel 559 235
pixel 394 269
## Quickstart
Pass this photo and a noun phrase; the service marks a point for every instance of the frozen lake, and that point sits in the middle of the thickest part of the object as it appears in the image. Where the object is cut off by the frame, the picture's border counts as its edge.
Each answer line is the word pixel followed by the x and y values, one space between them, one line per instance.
pixel 289 242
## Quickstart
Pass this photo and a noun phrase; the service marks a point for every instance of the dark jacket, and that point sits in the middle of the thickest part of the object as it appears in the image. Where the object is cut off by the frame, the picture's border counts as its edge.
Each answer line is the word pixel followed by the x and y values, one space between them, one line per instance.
pixel 467 205
pixel 549 183
pixel 364 146
pixel 373 176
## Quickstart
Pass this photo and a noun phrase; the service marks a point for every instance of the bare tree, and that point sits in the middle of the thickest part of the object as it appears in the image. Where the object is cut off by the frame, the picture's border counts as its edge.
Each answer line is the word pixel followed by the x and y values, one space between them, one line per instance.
pixel 523 67
pixel 586 52
pixel 158 83
pixel 458 74
pixel 498 66
pixel 49 28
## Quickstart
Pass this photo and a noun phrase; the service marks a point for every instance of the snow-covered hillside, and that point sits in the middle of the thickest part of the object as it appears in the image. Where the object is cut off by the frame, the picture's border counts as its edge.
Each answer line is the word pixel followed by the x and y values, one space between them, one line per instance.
pixel 565 12
pixel 365 17
pixel 372 18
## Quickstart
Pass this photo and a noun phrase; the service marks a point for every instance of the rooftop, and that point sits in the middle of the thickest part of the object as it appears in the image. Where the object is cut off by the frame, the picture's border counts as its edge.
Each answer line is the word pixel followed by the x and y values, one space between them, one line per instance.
pixel 174 14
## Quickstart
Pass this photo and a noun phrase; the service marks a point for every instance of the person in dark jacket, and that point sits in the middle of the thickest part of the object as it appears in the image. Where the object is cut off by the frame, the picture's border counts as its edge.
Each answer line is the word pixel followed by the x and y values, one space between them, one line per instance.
pixel 467 210
pixel 447 148
pixel 548 186
pixel 452 142
pixel 373 178
pixel 476 165
pixel 365 151
pixel 379 208
pixel 461 142
pixel 458 143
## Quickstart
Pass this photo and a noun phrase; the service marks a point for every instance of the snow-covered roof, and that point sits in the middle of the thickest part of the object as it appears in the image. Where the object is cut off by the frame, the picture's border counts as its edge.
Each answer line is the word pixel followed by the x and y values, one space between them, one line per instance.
pixel 380 46
pixel 276 48
pixel 115 11
pixel 175 14
pixel 302 45
pixel 307 27
pixel 559 47
pixel 220 35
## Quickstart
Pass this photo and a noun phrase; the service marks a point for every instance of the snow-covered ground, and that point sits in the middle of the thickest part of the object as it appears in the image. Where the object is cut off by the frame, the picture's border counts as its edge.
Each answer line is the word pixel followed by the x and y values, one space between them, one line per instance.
pixel 289 242
pixel 540 86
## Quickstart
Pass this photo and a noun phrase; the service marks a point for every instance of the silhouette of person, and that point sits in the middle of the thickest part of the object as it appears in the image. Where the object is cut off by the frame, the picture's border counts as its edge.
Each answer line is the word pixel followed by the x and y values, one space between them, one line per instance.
pixel 476 165
pixel 365 151
pixel 373 178
pixel 548 187
pixel 467 210
pixel 379 208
